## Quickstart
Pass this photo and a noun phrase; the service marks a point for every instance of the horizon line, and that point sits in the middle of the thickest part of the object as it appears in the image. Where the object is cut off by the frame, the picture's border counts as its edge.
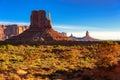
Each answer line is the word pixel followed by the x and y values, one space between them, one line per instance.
pixel 76 30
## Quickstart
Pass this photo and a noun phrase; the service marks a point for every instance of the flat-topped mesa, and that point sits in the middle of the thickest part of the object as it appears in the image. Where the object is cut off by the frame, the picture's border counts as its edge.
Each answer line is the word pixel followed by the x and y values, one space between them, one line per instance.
pixel 38 19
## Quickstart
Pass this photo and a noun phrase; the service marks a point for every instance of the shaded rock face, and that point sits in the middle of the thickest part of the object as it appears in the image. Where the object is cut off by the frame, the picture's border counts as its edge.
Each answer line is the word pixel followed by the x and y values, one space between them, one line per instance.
pixel 7 31
pixel 38 19
pixel 40 30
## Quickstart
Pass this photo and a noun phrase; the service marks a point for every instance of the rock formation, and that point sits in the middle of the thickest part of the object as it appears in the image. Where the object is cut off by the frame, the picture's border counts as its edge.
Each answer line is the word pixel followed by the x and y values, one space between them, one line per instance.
pixel 2 34
pixel 40 30
pixel 85 38
pixel 7 31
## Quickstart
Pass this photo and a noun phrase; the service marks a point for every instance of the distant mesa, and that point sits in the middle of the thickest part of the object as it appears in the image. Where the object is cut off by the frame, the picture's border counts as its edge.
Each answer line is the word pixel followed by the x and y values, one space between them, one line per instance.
pixel 40 30
pixel 85 38
pixel 8 31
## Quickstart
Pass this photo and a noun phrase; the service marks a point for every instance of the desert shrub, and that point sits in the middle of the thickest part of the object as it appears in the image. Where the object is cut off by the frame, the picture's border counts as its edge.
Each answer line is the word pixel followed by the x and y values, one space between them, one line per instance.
pixel 14 57
pixel 2 77
pixel 87 77
pixel 54 58
pixel 13 76
pixel 3 67
pixel 108 54
pixel 30 76
pixel 10 47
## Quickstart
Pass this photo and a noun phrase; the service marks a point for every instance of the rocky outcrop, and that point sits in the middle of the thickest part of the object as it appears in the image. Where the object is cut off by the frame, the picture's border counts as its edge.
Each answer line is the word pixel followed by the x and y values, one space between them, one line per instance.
pixel 85 38
pixel 40 30
pixel 7 31
pixel 2 34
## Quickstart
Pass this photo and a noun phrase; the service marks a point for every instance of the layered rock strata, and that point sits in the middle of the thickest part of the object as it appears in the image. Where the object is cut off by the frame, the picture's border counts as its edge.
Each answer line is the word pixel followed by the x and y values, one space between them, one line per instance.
pixel 7 31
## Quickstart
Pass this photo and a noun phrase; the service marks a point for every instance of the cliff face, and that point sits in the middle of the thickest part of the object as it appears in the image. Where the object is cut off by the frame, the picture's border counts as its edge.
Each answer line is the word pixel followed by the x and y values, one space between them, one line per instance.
pixel 7 31
pixel 40 30
pixel 2 34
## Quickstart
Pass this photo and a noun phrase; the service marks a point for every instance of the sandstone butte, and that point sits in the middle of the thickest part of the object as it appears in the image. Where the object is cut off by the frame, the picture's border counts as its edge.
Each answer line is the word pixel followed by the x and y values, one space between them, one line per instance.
pixel 40 29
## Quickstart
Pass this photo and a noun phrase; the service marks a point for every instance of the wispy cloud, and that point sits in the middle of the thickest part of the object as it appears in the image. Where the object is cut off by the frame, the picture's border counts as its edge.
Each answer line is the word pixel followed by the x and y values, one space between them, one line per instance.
pixel 108 35
pixel 72 28
pixel 96 32
pixel 18 23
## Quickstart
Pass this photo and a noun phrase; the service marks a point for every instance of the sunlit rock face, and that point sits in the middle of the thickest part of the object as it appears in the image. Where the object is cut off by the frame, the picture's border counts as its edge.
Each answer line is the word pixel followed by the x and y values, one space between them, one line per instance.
pixel 40 30
pixel 7 31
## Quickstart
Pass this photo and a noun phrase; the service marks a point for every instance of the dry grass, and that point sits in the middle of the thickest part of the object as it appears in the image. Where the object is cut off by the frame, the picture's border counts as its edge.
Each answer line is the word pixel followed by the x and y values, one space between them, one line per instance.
pixel 45 62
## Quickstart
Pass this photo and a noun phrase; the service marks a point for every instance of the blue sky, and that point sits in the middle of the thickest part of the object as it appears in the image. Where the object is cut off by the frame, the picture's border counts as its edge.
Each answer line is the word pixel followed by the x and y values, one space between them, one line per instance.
pixel 100 17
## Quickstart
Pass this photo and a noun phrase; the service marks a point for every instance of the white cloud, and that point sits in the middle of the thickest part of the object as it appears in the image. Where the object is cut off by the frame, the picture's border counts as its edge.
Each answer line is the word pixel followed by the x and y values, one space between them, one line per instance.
pixel 80 31
pixel 72 28
pixel 108 35
pixel 18 23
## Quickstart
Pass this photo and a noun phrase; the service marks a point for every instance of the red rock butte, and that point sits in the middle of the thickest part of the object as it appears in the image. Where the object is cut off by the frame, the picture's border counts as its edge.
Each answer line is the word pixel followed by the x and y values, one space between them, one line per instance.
pixel 40 30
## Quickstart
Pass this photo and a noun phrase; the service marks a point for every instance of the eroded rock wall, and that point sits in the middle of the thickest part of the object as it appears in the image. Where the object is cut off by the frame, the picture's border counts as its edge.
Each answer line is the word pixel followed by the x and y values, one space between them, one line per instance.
pixel 7 31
